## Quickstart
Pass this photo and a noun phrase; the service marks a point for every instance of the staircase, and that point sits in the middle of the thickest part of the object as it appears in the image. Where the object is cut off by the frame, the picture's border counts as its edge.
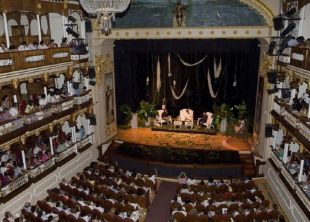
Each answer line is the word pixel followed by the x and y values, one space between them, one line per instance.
pixel 249 166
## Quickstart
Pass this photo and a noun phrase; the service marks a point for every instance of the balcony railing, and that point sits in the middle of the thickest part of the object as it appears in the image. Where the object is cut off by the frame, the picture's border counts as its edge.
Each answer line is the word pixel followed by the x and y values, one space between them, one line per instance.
pixel 83 142
pixel 37 116
pixel 41 168
pixel 19 60
pixel 83 98
pixel 18 182
pixel 63 155
pixel 63 105
pixel 11 126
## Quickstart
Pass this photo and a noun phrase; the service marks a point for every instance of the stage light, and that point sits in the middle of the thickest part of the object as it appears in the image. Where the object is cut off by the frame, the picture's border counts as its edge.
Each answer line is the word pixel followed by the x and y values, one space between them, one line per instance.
pixel 92 83
pixel 272 76
pixel 284 43
pixel 286 93
pixel 288 29
pixel 290 13
pixel 271 48
pixel 71 32
pixel 71 19
pixel 272 91
pixel 268 130
pixel 278 23
pixel 91 72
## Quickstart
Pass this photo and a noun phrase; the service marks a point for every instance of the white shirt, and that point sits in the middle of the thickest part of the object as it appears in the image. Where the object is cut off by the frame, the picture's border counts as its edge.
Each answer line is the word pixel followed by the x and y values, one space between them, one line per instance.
pixel 42 101
pixel 23 48
pixel 36 150
pixel 42 47
pixel 13 111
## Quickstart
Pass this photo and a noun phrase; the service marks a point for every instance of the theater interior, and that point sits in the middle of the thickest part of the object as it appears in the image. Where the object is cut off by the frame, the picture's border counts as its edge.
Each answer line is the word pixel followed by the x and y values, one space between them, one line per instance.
pixel 155 110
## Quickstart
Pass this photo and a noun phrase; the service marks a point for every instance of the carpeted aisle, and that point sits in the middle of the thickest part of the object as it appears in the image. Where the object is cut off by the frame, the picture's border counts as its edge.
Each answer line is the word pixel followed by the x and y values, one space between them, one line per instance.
pixel 159 211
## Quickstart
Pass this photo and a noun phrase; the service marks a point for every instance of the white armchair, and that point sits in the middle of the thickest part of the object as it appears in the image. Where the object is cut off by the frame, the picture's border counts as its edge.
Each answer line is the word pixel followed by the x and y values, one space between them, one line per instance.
pixel 207 124
pixel 187 116
pixel 159 120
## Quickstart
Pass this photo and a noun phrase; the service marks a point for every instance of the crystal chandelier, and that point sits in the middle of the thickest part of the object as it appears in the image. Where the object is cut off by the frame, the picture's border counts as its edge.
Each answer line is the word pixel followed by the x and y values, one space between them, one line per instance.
pixel 105 11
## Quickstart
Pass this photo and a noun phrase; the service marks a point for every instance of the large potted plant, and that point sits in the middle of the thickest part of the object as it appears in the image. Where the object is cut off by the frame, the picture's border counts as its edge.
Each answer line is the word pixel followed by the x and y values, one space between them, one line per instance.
pixel 241 110
pixel 222 116
pixel 146 111
pixel 126 114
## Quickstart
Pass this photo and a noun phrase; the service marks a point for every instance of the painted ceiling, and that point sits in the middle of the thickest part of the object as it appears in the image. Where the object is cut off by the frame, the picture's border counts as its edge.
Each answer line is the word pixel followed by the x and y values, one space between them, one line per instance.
pixel 198 13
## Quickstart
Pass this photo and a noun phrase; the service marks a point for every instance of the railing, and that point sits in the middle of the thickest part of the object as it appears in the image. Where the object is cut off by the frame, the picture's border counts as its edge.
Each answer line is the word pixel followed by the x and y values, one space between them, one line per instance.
pixel 78 57
pixel 10 126
pixel 84 142
pixel 19 60
pixel 61 156
pixel 37 116
pixel 41 168
pixel 18 182
pixel 82 99
pixel 63 105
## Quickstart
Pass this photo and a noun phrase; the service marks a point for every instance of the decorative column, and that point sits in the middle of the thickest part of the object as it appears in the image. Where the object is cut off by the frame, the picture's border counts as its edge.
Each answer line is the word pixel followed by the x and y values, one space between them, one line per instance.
pixel 286 147
pixel 83 29
pixel 301 170
pixel 51 145
pixel 24 160
pixel 6 30
pixel 39 27
pixel 64 22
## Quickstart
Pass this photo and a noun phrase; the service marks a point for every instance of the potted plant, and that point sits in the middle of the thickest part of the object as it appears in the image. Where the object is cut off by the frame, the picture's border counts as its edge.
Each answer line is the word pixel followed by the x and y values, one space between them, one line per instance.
pixel 242 110
pixel 146 111
pixel 126 114
pixel 223 115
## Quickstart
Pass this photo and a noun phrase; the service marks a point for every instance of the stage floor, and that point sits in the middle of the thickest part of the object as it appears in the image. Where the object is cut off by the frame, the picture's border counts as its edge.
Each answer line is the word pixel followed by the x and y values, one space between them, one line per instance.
pixel 146 136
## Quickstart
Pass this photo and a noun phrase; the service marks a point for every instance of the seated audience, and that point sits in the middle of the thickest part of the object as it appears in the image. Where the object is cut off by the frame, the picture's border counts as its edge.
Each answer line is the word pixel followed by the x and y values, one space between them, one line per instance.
pixel 3 47
pixel 23 46
pixel 42 45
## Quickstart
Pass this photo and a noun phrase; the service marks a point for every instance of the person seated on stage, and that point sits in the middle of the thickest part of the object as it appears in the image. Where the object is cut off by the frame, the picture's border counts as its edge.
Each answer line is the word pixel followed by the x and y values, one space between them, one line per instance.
pixel 188 116
pixel 165 116
pixel 203 120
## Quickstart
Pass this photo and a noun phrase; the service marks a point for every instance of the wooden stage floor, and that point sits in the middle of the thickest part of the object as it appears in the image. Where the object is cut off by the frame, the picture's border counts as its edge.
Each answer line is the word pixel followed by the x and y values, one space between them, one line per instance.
pixel 146 136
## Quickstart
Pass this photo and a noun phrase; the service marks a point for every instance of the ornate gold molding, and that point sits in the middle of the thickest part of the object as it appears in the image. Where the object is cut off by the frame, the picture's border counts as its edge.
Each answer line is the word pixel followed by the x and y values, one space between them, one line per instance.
pixel 110 129
pixel 262 9
pixel 104 64
pixel 265 65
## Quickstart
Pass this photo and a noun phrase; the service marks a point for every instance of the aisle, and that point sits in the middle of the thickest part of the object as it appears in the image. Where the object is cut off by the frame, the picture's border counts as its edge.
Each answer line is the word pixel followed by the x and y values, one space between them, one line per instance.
pixel 159 211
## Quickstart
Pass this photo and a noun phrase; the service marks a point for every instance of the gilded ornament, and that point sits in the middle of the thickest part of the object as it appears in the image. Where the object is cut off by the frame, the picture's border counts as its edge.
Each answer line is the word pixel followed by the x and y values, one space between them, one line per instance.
pixel 104 64
pixel 15 83
pixel 266 65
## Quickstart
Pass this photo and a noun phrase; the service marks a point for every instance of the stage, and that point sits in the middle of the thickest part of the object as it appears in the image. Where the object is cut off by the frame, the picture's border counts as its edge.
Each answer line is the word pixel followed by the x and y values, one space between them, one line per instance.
pixel 146 136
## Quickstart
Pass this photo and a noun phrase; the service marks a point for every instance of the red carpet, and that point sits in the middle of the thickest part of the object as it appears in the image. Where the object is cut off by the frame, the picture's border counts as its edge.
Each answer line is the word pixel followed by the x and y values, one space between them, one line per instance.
pixel 160 211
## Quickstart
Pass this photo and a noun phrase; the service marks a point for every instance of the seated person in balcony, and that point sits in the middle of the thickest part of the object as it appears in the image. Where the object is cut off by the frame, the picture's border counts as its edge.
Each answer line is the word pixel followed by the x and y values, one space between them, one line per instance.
pixel 3 47
pixel 5 104
pixel 43 101
pixel 42 45
pixel 36 150
pixel 54 98
pixel 14 111
pixel 82 132
pixel 52 44
pixel 30 107
pixel 23 46
pixel 64 43
pixel 203 120
pixel 33 46
pixel 44 156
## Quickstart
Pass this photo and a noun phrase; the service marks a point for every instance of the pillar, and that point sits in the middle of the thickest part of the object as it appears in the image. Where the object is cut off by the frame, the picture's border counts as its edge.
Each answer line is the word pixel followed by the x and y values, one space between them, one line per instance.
pixel 39 27
pixel 51 145
pixel 286 145
pixel 6 30
pixel 64 22
pixel 24 160
pixel 301 170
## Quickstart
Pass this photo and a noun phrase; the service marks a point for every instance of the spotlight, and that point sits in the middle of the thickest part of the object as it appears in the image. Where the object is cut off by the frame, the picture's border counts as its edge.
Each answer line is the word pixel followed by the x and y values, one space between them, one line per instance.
pixel 268 130
pixel 71 19
pixel 272 76
pixel 271 48
pixel 290 13
pixel 278 23
pixel 272 91
pixel 286 93
pixel 92 119
pixel 71 32
pixel 91 72
pixel 284 43
pixel 288 29
pixel 92 83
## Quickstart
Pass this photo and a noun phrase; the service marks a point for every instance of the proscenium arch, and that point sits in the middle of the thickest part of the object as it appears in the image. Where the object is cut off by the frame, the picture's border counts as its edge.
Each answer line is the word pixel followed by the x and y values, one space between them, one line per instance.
pixel 262 9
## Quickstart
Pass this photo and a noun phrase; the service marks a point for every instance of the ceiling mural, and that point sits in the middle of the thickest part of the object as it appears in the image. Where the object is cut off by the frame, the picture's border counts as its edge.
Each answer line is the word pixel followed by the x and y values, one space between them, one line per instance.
pixel 191 13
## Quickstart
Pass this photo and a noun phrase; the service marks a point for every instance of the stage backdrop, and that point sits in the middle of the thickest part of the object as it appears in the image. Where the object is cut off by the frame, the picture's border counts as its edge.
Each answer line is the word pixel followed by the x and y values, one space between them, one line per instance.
pixel 142 73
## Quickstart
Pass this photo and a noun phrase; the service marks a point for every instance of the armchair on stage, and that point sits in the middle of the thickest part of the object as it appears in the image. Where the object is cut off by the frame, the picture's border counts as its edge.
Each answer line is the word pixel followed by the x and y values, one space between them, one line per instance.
pixel 186 116
pixel 160 119
pixel 206 121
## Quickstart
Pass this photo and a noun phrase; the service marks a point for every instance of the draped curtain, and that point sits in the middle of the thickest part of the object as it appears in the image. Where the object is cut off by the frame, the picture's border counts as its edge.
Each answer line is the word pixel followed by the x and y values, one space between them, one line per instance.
pixel 137 77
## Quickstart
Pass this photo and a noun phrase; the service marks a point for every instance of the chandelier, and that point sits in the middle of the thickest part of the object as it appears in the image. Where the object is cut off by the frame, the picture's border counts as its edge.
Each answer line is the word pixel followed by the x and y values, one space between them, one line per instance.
pixel 105 11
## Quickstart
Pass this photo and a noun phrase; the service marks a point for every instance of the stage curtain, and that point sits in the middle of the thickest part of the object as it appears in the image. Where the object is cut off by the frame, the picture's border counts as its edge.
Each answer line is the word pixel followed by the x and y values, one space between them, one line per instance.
pixel 136 60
